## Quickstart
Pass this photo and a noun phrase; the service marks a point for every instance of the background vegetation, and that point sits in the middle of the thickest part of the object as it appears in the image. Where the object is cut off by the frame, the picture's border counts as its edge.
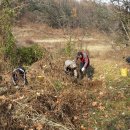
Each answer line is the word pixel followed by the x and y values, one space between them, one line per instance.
pixel 112 18
pixel 8 48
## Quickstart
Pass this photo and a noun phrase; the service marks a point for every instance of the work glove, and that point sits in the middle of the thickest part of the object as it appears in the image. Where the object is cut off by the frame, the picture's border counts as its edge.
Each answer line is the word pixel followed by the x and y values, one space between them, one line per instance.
pixel 83 69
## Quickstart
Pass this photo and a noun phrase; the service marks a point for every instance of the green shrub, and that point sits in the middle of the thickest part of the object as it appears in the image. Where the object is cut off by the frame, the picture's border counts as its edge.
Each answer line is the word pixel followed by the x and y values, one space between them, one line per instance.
pixel 28 55
pixel 58 85
pixel 7 41
pixel 68 48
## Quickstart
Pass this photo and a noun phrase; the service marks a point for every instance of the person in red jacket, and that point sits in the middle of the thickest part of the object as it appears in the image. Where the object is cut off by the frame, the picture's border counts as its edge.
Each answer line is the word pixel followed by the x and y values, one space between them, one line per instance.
pixel 84 61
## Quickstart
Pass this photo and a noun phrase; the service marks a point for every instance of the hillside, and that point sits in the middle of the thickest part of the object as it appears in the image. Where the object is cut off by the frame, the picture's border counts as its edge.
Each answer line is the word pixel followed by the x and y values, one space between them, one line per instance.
pixel 41 35
pixel 55 102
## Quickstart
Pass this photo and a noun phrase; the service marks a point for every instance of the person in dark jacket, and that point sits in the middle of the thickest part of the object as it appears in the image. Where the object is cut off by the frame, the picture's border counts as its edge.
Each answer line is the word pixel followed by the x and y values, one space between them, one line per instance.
pixel 128 60
pixel 20 71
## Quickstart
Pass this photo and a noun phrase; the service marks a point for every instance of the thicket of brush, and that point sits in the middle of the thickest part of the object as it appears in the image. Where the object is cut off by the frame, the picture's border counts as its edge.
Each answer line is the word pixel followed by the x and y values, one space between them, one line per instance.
pixel 8 49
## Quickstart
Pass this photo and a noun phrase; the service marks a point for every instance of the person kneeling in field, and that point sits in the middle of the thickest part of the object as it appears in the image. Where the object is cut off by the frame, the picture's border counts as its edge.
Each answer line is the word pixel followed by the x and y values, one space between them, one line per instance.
pixel 128 60
pixel 84 64
pixel 19 75
pixel 70 68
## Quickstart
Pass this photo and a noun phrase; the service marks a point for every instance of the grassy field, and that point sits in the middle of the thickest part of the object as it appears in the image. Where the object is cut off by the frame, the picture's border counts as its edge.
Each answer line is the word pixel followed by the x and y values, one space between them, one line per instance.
pixel 54 102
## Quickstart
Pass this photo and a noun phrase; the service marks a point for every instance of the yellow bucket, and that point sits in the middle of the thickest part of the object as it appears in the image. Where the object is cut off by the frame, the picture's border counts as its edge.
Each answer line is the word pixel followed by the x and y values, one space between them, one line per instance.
pixel 40 78
pixel 124 72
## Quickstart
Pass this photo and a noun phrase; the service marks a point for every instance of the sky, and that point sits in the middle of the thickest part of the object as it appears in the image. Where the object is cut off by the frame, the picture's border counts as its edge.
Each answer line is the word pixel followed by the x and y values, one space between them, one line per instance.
pixel 104 1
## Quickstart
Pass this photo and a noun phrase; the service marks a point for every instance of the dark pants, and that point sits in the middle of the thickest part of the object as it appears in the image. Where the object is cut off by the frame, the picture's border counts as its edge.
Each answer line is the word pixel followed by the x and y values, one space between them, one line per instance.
pixel 128 60
pixel 88 72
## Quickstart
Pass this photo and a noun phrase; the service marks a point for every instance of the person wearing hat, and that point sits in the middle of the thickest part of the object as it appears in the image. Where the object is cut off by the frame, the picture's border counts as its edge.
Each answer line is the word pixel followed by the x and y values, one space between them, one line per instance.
pixel 70 68
pixel 84 61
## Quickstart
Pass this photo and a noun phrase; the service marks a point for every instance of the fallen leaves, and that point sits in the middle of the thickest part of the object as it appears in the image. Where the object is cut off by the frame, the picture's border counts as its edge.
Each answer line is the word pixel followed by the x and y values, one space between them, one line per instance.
pixel 101 93
pixel 101 108
pixel 98 105
pixel 39 126
pixel 82 128
pixel 9 106
pixel 94 104
pixel 3 97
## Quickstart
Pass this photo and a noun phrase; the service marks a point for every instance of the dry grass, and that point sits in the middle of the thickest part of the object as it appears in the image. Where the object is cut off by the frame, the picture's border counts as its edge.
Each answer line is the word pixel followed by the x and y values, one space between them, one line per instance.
pixel 54 102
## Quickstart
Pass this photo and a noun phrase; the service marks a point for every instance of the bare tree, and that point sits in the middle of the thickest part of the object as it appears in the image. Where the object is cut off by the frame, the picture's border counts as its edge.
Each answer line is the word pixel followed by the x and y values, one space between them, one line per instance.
pixel 122 11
